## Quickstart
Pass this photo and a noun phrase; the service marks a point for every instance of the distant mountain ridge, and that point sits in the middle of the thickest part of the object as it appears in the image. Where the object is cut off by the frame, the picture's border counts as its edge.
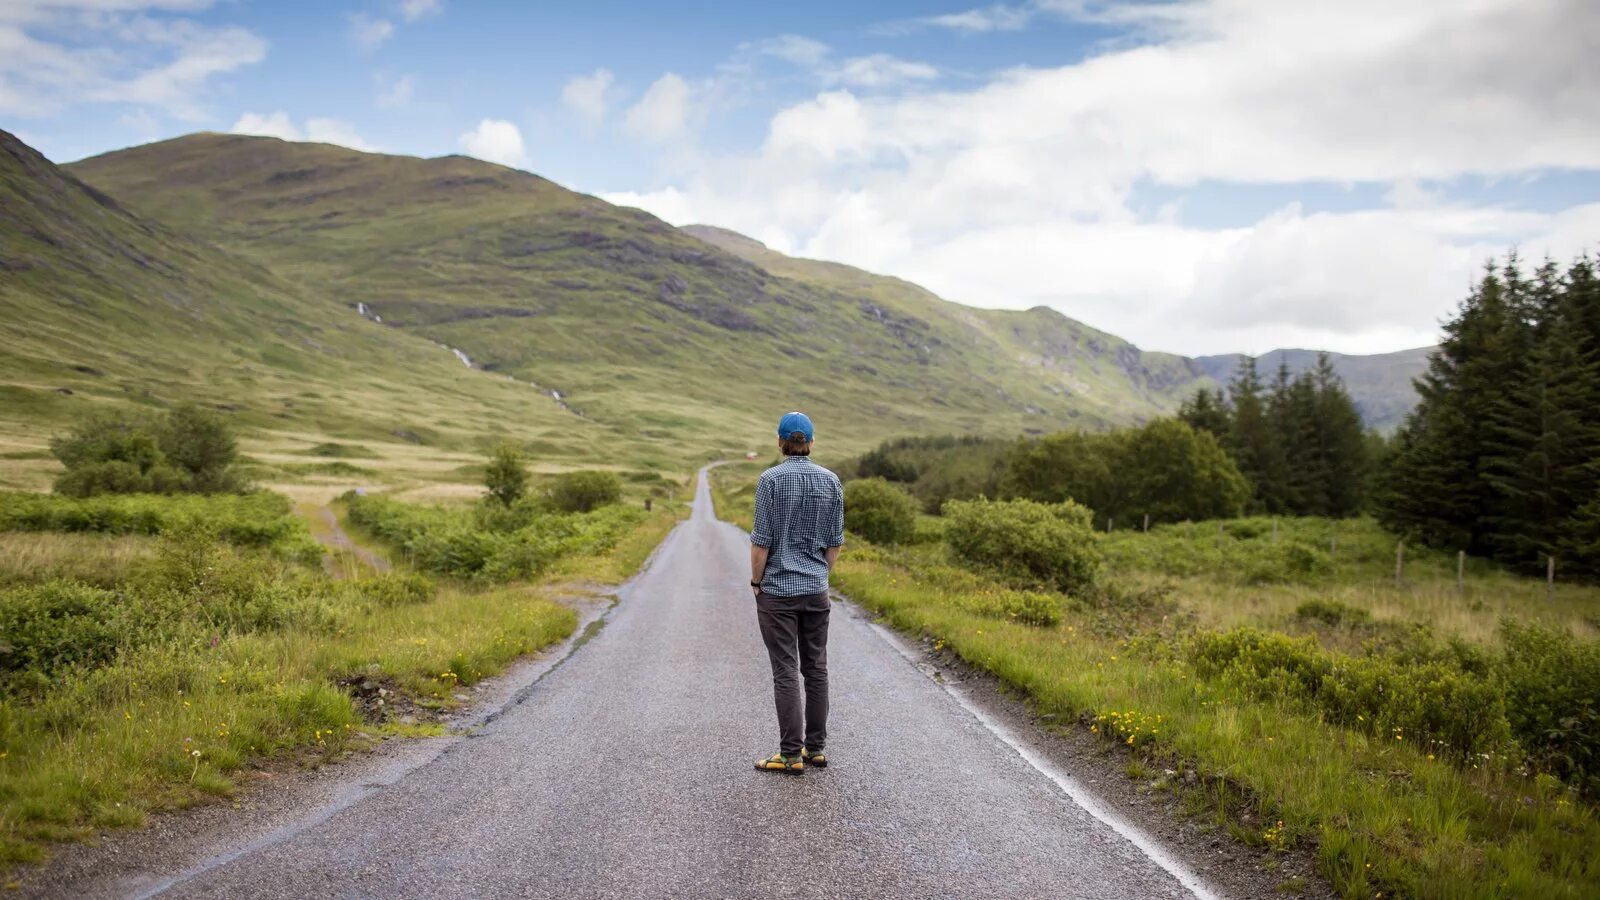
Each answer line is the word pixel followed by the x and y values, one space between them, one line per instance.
pixel 673 338
pixel 1379 383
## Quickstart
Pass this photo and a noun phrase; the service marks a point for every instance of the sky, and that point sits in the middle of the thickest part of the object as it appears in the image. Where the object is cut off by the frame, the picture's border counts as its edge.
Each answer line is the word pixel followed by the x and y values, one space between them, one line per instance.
pixel 1197 176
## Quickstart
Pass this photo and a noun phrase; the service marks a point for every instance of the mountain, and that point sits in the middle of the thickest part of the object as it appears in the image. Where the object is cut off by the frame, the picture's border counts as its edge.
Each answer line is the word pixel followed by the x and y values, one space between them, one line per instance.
pixel 640 325
pixel 314 291
pixel 99 303
pixel 1379 383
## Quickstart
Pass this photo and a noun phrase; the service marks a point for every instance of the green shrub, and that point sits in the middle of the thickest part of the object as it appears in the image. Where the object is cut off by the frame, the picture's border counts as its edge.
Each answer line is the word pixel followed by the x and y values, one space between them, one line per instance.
pixel 585 491
pixel 1332 613
pixel 452 541
pixel 1553 697
pixel 259 519
pixel 395 589
pixel 1432 705
pixel 1028 607
pixel 879 511
pixel 507 475
pixel 123 452
pixel 1050 543
pixel 48 628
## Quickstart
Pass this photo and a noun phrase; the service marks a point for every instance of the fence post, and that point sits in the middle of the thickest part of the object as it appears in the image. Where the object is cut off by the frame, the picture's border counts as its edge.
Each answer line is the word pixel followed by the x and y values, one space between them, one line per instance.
pixel 647 504
pixel 1109 522
pixel 1274 531
pixel 1333 547
pixel 1219 534
pixel 1549 576
pixel 1399 561
pixel 1461 572
pixel 1147 523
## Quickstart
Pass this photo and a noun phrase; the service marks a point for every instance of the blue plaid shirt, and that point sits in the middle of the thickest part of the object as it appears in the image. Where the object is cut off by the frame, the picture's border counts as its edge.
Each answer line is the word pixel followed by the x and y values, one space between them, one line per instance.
pixel 799 515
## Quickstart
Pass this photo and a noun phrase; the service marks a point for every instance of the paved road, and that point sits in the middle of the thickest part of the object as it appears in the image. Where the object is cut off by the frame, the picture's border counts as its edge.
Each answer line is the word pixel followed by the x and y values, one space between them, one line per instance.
pixel 627 773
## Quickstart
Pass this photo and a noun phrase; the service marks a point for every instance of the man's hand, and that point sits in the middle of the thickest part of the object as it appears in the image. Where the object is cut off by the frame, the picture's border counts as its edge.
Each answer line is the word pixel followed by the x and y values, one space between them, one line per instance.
pixel 755 590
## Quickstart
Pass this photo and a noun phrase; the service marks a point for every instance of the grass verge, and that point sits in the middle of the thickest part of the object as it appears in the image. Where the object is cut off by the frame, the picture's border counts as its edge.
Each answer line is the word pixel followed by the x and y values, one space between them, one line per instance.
pixel 1385 817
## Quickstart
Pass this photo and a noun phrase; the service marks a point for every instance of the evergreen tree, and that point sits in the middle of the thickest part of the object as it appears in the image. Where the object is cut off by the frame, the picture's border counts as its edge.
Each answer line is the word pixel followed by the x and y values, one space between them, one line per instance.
pixel 1207 410
pixel 1339 445
pixel 1543 445
pixel 1436 489
pixel 1292 410
pixel 1251 440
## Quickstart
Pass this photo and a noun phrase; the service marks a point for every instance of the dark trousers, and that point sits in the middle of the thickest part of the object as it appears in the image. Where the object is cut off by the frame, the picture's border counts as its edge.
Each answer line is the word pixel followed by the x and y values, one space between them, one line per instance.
pixel 795 630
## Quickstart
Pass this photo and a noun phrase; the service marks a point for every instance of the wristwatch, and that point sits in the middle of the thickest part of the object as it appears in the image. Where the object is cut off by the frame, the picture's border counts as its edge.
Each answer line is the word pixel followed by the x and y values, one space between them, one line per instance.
pixel 755 584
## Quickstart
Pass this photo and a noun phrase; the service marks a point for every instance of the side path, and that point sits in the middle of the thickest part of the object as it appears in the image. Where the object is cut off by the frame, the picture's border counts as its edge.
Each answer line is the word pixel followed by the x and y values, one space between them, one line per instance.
pixel 627 772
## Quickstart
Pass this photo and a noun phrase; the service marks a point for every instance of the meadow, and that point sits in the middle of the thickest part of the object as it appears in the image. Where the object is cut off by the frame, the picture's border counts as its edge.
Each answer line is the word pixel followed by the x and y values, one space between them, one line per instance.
pixel 156 650
pixel 1423 740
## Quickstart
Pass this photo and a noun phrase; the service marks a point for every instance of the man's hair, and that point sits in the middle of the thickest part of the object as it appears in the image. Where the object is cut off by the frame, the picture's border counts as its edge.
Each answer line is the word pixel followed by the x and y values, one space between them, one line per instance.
pixel 795 444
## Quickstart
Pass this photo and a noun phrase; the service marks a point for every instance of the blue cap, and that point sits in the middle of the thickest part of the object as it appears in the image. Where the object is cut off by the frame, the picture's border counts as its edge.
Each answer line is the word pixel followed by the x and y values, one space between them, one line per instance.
pixel 796 421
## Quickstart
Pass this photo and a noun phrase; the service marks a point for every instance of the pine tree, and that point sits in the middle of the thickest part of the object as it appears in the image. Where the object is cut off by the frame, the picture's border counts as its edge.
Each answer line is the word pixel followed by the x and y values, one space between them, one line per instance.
pixel 1436 487
pixel 1342 461
pixel 1251 440
pixel 1292 410
pixel 1543 460
pixel 1207 410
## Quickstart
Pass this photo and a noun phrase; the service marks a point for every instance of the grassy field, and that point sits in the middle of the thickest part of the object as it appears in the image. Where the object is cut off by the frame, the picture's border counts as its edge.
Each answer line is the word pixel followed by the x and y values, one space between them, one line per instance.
pixel 1288 690
pixel 148 663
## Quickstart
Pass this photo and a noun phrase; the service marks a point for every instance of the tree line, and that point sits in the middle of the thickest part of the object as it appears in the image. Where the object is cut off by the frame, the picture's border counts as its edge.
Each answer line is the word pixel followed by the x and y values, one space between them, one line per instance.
pixel 1299 440
pixel 1501 457
pixel 1295 446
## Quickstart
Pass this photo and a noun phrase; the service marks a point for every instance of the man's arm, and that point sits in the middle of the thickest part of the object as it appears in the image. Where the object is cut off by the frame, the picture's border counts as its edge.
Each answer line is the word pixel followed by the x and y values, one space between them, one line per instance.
pixel 760 536
pixel 836 540
pixel 758 566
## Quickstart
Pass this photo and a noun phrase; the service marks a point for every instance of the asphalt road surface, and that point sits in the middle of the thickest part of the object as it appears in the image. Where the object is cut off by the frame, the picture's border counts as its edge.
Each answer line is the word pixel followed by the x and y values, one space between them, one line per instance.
pixel 627 772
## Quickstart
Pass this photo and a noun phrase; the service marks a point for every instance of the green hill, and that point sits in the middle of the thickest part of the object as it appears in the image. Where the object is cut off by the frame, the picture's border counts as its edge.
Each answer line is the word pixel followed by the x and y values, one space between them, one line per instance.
pixel 103 305
pixel 317 292
pixel 638 324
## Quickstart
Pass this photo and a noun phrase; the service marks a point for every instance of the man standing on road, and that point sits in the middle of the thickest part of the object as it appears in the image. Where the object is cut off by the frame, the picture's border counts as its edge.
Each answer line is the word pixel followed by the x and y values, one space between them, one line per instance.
pixel 799 528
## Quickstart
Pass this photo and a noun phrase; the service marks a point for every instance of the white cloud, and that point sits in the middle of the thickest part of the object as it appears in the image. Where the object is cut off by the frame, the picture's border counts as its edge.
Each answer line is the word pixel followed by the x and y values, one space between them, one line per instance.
pixel 590 95
pixel 412 10
pixel 276 124
pixel 497 141
pixel 334 131
pixel 1022 190
pixel 56 53
pixel 368 31
pixel 320 130
pixel 396 92
pixel 662 113
pixel 879 70
pixel 802 51
pixel 998 17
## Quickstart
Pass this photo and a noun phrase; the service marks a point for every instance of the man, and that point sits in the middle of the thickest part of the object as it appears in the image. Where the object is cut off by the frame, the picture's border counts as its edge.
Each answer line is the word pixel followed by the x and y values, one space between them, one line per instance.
pixel 799 528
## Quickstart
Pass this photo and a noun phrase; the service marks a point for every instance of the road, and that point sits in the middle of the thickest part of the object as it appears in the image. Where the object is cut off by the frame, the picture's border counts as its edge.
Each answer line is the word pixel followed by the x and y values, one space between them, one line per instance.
pixel 627 772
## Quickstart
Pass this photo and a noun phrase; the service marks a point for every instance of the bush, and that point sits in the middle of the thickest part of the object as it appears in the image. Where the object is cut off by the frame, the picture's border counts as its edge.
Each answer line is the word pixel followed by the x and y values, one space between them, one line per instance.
pixel 395 589
pixel 1553 697
pixel 1028 607
pixel 120 452
pixel 1332 613
pixel 1433 704
pixel 1050 543
pixel 507 476
pixel 260 519
pixel 452 541
pixel 585 491
pixel 879 511
pixel 47 628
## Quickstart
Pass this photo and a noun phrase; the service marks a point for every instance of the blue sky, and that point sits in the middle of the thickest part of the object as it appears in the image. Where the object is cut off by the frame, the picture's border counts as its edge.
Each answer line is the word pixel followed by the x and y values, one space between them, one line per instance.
pixel 1195 175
